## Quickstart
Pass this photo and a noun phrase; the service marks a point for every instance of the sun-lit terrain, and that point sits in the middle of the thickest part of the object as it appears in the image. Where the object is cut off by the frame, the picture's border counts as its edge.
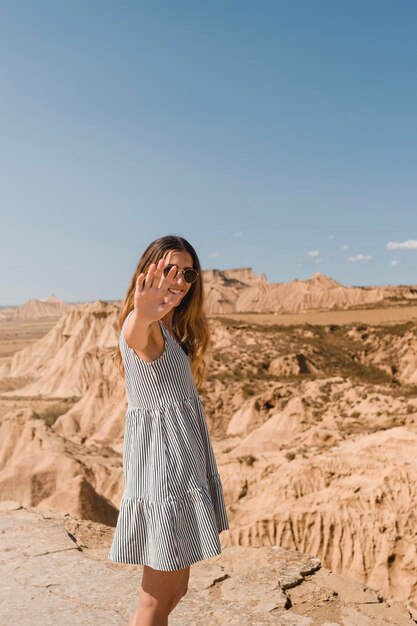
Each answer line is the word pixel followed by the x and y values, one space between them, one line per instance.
pixel 313 417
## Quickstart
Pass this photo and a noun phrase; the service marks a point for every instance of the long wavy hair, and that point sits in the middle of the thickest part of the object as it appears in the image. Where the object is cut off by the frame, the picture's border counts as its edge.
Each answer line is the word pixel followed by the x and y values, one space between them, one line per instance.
pixel 189 321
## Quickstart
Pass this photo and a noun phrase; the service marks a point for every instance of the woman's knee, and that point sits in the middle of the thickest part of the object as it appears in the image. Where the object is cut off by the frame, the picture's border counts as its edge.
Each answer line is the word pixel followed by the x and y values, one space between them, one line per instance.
pixel 184 581
pixel 154 605
pixel 182 589
pixel 160 591
pixel 175 601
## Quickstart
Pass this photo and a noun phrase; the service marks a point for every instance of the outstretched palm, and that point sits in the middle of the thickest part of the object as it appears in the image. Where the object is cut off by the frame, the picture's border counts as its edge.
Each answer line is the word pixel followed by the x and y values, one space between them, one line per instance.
pixel 152 298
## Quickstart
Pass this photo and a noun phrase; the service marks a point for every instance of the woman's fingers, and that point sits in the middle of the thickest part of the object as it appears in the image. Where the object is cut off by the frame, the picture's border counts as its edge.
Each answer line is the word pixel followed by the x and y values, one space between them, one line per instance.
pixel 158 274
pixel 139 281
pixel 149 276
pixel 155 279
pixel 168 279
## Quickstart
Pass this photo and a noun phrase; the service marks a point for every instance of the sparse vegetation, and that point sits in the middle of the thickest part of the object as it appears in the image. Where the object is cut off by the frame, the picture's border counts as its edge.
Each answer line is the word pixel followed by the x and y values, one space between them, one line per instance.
pixel 50 413
pixel 290 456
pixel 333 349
pixel 249 459
pixel 248 391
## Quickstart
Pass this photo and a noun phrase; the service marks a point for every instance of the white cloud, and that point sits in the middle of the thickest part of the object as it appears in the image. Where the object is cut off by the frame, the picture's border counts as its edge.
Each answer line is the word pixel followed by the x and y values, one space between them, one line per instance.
pixel 394 263
pixel 213 254
pixel 331 236
pixel 345 246
pixel 363 258
pixel 239 234
pixel 314 253
pixel 410 244
pixel 317 260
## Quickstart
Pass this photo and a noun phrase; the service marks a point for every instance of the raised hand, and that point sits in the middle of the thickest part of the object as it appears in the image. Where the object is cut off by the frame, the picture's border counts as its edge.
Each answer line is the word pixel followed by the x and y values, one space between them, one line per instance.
pixel 152 300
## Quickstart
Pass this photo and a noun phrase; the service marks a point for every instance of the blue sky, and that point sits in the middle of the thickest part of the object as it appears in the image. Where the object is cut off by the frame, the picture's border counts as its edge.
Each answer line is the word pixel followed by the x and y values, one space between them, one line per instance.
pixel 277 135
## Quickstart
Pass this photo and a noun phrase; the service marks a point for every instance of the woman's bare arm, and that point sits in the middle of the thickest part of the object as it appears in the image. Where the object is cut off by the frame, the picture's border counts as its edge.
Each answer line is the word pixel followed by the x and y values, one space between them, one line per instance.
pixel 152 301
pixel 137 332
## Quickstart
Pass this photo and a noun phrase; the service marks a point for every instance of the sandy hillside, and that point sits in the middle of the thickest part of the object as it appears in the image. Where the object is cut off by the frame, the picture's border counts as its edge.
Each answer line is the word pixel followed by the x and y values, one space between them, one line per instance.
pixel 242 291
pixel 33 309
pixel 236 291
pixel 314 428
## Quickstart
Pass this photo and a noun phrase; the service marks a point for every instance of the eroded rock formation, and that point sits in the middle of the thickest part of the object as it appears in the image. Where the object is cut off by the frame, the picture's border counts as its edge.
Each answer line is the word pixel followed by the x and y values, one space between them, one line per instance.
pixel 314 430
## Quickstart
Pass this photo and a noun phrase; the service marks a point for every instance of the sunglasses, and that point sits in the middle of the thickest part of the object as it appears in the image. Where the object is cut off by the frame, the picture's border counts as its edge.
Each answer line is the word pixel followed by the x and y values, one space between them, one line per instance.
pixel 190 275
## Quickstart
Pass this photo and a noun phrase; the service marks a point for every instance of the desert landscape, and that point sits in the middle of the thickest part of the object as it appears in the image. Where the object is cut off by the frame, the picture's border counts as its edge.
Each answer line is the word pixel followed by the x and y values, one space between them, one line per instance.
pixel 311 402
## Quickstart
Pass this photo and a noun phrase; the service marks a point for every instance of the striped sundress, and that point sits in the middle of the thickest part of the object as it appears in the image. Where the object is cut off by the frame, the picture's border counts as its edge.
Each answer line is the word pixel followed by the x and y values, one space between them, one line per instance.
pixel 172 508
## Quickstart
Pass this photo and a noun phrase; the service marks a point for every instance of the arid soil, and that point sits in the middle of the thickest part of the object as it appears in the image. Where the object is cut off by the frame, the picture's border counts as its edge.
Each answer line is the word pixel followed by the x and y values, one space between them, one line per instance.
pixel 313 424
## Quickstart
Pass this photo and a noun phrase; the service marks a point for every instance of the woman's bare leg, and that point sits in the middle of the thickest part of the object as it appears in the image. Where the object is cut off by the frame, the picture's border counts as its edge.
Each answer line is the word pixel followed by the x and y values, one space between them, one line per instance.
pixel 182 587
pixel 159 593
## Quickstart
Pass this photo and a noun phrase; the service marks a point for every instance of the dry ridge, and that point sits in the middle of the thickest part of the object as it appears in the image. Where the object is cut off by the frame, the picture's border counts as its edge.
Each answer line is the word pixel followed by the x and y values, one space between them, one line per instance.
pixel 35 309
pixel 234 291
pixel 241 290
pixel 314 429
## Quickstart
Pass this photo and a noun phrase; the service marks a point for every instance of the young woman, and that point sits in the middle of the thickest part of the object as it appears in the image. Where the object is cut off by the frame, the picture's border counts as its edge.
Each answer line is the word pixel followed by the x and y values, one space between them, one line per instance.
pixel 172 509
